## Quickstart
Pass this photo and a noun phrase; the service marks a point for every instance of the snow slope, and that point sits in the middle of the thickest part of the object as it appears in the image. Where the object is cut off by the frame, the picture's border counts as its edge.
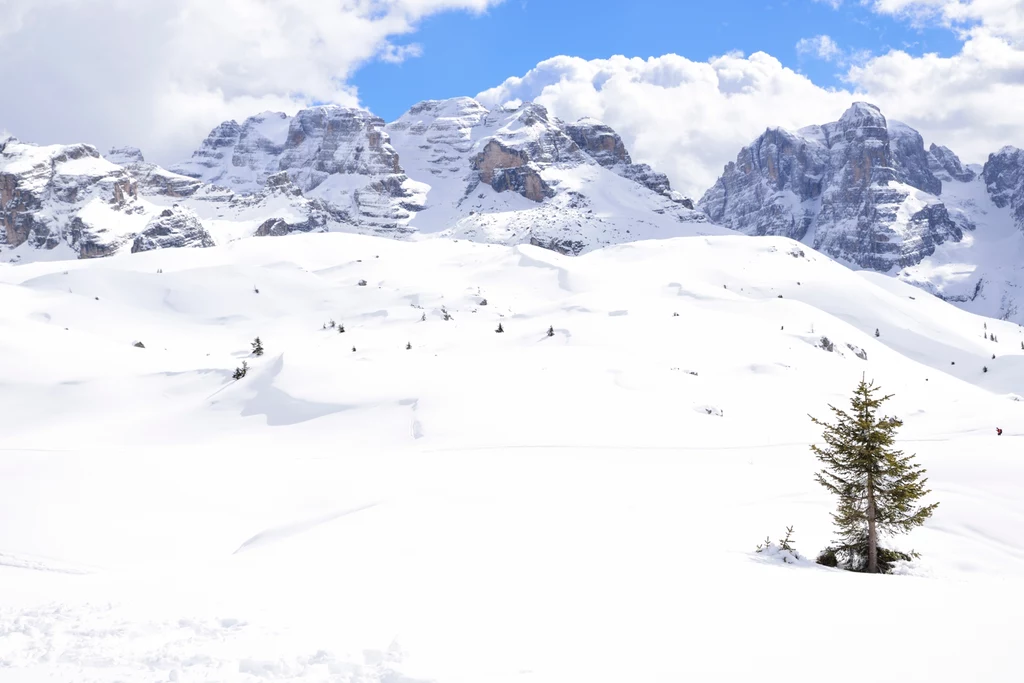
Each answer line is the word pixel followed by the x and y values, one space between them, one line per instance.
pixel 485 507
pixel 982 272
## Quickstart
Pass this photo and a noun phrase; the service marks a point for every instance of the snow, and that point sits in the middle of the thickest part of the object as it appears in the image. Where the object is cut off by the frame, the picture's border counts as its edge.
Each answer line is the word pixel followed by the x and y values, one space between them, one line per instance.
pixel 485 507
pixel 88 166
pixel 982 272
pixel 272 125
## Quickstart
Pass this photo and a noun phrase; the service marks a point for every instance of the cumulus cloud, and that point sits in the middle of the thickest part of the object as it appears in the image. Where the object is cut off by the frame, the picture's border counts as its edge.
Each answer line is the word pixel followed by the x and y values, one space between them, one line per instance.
pixel 822 47
pixel 689 118
pixel 160 75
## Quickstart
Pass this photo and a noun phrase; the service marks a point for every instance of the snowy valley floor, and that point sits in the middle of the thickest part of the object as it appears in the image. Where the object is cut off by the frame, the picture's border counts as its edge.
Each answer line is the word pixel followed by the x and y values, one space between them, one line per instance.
pixel 487 507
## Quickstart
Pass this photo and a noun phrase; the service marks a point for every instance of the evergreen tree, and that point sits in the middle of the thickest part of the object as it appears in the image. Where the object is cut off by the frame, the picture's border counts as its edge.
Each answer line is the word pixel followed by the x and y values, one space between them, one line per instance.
pixel 551 330
pixel 878 486
pixel 353 349
pixel 257 347
pixel 341 329
pixel 500 329
pixel 877 333
pixel 241 372
pixel 408 346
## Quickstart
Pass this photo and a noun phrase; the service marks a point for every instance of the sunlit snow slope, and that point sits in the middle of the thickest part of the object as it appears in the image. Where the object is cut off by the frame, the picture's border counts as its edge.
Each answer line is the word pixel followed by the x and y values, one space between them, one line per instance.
pixel 487 507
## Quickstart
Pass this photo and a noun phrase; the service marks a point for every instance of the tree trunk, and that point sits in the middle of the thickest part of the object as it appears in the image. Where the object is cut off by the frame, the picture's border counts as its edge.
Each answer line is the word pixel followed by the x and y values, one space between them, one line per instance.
pixel 872 533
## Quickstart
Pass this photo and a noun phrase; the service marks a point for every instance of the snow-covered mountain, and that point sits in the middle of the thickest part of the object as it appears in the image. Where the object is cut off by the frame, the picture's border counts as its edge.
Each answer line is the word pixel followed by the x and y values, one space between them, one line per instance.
pixel 861 190
pixel 866 192
pixel 446 168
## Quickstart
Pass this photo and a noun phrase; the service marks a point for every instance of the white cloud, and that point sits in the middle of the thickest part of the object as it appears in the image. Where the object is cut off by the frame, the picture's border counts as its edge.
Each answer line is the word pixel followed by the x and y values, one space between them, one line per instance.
pixel 822 47
pixel 161 73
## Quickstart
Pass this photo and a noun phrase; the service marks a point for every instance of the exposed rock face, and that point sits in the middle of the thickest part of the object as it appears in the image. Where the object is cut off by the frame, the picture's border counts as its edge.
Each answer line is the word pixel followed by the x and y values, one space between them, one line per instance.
pixel 62 194
pixel 520 175
pixel 173 228
pixel 151 179
pixel 946 166
pixel 338 155
pixel 1004 177
pixel 860 189
pixel 506 170
pixel 606 148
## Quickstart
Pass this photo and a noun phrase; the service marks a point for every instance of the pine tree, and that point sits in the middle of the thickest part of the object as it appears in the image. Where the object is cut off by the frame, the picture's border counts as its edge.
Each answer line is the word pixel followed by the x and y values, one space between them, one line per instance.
pixel 423 318
pixel 257 347
pixel 878 486
pixel 408 346
pixel 877 333
pixel 341 329
pixel 241 372
pixel 500 329
pixel 551 330
pixel 353 349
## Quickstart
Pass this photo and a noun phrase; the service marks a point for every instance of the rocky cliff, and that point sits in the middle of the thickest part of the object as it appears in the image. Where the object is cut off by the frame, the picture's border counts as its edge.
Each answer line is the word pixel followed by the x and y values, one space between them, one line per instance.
pixel 860 189
pixel 1003 175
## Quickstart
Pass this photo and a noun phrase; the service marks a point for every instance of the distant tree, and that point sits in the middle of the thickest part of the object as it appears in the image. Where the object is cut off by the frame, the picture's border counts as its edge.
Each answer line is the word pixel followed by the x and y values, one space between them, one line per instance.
pixel 993 356
pixel 257 347
pixel 242 371
pixel 256 289
pixel 877 334
pixel 445 315
pixel 408 346
pixel 353 349
pixel 675 315
pixel 331 324
pixel 551 330
pixel 878 487
pixel 423 318
pixel 500 329
pixel 483 302
pixel 341 328
pixel 362 283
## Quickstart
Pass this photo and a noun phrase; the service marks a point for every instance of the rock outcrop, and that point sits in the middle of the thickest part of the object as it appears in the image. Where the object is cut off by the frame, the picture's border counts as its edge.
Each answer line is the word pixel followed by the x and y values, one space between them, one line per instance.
pixel 1004 177
pixel 946 166
pixel 175 227
pixel 606 148
pixel 860 189
pixel 63 194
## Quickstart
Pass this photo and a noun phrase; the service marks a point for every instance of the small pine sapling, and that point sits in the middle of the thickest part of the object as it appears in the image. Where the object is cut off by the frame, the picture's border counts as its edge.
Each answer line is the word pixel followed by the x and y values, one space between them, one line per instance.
pixel 984 368
pixel 483 302
pixel 423 318
pixel 353 349
pixel 445 315
pixel 257 347
pixel 408 346
pixel 500 329
pixel 877 333
pixel 256 289
pixel 341 328
pixel 241 372
pixel 551 330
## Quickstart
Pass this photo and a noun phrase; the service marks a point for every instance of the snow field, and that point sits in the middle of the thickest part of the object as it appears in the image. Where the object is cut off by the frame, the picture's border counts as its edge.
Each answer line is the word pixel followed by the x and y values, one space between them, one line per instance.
pixel 509 507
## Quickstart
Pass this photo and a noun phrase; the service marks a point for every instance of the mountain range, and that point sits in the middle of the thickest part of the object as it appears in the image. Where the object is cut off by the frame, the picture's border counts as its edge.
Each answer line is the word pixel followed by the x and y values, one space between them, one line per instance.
pixel 862 190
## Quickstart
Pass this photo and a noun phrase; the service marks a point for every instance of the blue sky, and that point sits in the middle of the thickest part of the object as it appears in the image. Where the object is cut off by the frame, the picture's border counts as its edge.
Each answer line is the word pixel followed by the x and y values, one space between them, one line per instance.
pixel 463 54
